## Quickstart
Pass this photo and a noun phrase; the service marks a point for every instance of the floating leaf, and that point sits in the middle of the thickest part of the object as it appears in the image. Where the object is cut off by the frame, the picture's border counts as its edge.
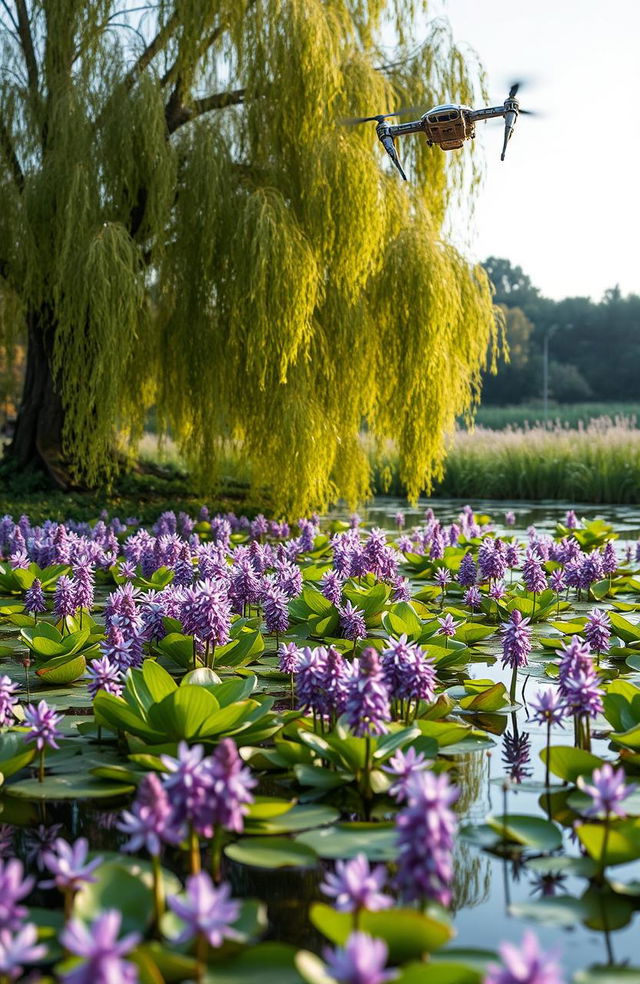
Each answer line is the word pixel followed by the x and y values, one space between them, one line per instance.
pixel 271 852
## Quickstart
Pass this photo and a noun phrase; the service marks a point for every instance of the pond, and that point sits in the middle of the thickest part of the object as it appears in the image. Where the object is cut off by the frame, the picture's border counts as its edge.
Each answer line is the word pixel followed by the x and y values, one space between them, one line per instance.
pixel 485 742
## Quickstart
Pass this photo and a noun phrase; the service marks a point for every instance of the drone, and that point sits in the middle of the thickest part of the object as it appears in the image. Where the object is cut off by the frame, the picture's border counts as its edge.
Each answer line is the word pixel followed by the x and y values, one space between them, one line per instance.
pixel 445 126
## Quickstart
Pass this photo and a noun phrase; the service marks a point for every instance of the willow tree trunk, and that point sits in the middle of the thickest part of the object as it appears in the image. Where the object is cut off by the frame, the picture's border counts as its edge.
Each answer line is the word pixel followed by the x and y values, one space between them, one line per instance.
pixel 37 441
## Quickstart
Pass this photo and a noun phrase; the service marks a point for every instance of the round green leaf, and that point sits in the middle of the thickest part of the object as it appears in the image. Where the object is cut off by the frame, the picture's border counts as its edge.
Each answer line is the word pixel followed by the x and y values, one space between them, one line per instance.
pixel 271 852
pixel 409 934
pixel 115 888
pixel 68 787
pixel 62 669
pixel 376 840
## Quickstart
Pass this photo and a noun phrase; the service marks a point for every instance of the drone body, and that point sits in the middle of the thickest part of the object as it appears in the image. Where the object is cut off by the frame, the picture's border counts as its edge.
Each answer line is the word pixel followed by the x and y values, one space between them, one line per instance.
pixel 446 126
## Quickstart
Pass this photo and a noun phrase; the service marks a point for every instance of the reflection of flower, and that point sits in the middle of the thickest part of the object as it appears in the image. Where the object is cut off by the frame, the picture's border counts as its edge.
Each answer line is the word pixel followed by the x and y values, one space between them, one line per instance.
pixel 525 964
pixel 516 755
pixel 38 841
pixel 546 884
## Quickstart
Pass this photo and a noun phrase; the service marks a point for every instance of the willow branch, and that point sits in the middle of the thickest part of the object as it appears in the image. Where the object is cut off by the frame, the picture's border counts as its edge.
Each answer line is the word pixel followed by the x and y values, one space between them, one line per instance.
pixel 218 100
pixel 8 150
pixel 26 40
pixel 10 16
pixel 163 36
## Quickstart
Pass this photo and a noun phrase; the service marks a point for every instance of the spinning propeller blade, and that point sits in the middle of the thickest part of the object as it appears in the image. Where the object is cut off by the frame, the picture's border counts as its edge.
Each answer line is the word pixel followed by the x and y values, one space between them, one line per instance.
pixel 404 111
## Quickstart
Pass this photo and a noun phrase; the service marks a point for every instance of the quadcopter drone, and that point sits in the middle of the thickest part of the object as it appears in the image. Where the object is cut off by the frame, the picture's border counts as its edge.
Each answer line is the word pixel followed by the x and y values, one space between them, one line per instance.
pixel 446 126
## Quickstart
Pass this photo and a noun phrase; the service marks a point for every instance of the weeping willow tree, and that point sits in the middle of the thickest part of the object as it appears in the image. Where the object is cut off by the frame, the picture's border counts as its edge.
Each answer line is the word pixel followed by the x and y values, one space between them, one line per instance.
pixel 184 224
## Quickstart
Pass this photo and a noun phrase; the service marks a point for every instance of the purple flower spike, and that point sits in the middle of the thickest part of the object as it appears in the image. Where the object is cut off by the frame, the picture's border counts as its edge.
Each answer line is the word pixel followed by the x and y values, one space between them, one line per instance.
pixel 403 766
pixel 608 791
pixel 352 622
pixel 18 950
pixel 149 821
pixel 516 640
pixel 102 950
pixel 447 626
pixel 548 707
pixel 367 709
pixel 205 910
pixel 104 675
pixel 597 630
pixel 13 887
pixel 355 886
pixel 42 721
pixel 525 964
pixel 34 602
pixel 68 865
pixel 362 961
pixel 7 700
pixel 425 829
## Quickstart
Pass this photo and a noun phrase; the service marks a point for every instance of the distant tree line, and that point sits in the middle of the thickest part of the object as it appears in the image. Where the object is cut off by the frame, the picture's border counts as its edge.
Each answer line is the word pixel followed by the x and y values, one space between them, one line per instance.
pixel 594 348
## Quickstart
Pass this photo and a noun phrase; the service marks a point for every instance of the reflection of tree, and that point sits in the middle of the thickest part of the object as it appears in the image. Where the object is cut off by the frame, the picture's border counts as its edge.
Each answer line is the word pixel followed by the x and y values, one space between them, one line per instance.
pixel 471 876
pixel 471 868
pixel 472 781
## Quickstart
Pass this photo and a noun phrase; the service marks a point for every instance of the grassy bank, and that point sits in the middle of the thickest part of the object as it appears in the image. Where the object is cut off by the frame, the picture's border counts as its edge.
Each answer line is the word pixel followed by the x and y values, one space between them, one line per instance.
pixel 597 463
pixel 569 414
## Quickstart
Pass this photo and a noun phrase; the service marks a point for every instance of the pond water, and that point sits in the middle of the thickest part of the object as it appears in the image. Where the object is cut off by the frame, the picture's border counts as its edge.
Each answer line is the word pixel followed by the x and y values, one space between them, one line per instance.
pixel 491 893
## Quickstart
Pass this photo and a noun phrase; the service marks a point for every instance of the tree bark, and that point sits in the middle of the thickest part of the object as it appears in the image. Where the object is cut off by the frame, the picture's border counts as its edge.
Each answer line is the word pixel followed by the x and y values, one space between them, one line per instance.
pixel 37 441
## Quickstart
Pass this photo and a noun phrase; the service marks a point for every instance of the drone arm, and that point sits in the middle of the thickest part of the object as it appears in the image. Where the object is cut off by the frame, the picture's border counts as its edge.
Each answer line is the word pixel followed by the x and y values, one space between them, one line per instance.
pixel 385 136
pixel 488 113
pixel 400 129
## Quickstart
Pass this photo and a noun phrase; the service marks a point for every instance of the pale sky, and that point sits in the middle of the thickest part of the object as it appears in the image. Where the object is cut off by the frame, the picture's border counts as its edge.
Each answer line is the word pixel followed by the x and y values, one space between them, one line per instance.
pixel 565 204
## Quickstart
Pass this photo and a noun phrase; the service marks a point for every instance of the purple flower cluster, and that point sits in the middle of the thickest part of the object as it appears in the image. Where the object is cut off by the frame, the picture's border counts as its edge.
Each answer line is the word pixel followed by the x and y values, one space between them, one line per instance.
pixel 578 680
pixel 207 792
pixel 356 886
pixel 516 640
pixel 408 673
pixel 367 709
pixel 425 829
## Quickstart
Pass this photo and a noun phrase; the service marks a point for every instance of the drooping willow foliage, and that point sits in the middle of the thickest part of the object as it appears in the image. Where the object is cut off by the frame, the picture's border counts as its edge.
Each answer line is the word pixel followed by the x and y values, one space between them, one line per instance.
pixel 187 224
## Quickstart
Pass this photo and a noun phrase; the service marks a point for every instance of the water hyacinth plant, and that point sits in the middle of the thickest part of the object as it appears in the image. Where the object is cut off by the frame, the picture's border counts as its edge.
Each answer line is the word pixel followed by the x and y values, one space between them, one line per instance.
pixel 320 702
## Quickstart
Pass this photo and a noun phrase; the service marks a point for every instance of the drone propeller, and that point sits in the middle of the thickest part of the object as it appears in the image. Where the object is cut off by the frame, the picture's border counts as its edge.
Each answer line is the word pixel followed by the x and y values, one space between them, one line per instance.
pixel 404 111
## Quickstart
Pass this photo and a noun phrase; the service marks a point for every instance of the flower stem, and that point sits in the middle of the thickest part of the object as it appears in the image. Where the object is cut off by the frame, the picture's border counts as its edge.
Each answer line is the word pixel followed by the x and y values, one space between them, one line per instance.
pixel 603 855
pixel 158 890
pixel 514 683
pixel 194 852
pixel 216 854
pixel 41 766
